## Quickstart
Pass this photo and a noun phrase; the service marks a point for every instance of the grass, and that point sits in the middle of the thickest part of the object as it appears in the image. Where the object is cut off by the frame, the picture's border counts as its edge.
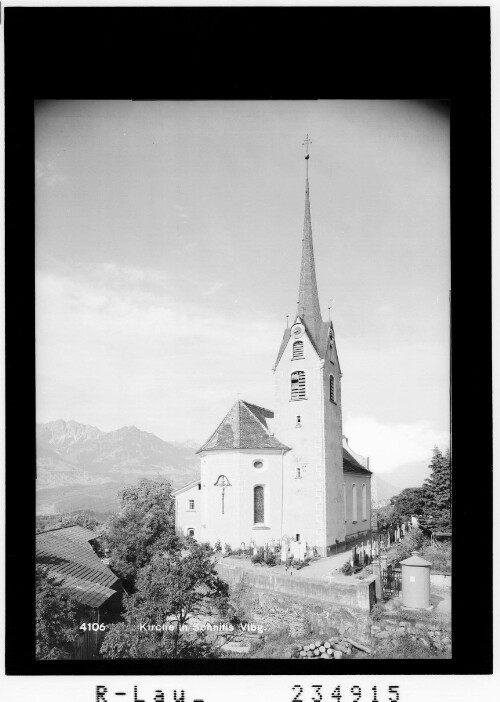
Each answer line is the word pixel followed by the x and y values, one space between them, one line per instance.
pixel 404 647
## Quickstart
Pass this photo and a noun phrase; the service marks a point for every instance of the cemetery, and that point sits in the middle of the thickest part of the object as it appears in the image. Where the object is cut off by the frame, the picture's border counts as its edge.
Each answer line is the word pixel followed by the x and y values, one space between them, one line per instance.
pixel 364 602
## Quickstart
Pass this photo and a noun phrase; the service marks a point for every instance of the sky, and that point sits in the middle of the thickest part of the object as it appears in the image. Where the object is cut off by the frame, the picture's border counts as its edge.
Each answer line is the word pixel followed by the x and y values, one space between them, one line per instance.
pixel 168 244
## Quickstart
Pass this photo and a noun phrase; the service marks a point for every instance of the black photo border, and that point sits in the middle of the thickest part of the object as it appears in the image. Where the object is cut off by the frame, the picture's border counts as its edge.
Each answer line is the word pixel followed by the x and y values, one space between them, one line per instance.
pixel 432 53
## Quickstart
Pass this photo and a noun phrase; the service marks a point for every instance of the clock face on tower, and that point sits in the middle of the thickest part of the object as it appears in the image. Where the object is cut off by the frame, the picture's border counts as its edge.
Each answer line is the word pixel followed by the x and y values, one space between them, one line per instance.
pixel 297 330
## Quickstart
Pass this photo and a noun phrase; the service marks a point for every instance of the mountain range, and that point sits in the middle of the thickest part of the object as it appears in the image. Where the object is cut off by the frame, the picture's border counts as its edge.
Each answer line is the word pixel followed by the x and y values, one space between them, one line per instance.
pixel 81 467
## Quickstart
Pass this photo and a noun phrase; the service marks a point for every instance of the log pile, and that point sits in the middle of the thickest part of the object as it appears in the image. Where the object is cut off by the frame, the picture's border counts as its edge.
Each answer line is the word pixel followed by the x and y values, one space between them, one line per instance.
pixel 334 647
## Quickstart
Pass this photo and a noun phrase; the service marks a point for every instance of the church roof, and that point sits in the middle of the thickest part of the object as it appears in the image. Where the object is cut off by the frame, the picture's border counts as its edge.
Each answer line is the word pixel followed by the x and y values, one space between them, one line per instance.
pixel 351 465
pixel 318 340
pixel 244 427
pixel 309 309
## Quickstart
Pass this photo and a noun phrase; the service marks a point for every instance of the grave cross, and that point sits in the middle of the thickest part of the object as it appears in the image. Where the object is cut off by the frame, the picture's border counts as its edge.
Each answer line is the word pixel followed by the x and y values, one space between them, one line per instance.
pixel 223 483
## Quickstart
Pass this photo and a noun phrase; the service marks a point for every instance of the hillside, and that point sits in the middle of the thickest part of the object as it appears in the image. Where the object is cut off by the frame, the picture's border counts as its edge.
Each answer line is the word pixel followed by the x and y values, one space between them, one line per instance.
pixel 81 467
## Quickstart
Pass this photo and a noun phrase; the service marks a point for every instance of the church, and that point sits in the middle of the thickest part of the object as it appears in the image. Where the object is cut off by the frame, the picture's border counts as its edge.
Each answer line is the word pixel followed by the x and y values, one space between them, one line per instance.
pixel 287 473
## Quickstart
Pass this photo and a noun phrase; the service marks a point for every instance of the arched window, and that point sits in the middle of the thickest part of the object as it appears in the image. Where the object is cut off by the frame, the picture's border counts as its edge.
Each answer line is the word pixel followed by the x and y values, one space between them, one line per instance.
pixel 333 396
pixel 354 503
pixel 363 501
pixel 298 350
pixel 298 385
pixel 258 504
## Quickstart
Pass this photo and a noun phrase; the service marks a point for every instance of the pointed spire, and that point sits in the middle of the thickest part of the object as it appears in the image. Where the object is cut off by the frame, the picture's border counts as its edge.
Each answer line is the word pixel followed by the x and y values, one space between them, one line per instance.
pixel 308 304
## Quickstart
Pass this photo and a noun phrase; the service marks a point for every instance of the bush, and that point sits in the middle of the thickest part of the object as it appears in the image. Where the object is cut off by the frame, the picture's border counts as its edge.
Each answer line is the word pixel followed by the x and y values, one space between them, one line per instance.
pixel 439 556
pixel 405 647
pixel 414 541
pixel 270 559
pixel 57 618
pixel 258 557
pixel 300 564
pixel 243 600
pixel 348 569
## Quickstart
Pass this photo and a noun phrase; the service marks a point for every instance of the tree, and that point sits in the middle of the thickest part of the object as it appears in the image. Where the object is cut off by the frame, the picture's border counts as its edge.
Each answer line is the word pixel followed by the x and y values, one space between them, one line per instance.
pixel 437 492
pixel 84 519
pixel 176 589
pixel 409 501
pixel 144 525
pixel 57 618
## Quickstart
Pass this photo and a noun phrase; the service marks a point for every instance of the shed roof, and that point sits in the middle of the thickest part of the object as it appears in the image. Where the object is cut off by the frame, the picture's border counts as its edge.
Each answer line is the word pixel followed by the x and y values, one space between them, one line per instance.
pixel 71 559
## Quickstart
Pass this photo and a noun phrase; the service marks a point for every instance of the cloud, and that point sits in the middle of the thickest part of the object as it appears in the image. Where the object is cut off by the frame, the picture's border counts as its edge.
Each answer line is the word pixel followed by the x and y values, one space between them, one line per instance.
pixel 391 445
pixel 119 351
pixel 181 212
pixel 214 288
pixel 46 173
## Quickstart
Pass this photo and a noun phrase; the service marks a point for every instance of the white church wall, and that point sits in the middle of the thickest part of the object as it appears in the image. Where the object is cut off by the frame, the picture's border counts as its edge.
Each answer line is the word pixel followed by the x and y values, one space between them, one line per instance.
pixel 356 520
pixel 335 520
pixel 304 497
pixel 236 524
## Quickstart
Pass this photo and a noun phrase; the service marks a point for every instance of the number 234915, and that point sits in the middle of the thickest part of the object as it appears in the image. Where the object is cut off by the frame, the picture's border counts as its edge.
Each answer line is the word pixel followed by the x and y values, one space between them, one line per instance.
pixel 353 694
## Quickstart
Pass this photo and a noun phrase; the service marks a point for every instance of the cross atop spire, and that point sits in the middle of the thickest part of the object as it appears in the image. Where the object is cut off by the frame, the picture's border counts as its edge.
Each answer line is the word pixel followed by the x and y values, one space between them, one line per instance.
pixel 308 303
pixel 306 143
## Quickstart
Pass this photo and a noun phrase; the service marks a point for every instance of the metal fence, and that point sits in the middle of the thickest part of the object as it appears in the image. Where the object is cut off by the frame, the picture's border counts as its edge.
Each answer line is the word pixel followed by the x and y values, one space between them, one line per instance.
pixel 391 582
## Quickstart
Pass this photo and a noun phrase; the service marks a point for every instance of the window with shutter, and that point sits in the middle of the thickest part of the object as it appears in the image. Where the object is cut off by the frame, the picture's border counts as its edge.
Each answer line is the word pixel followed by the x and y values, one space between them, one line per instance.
pixel 298 350
pixel 298 385
pixel 333 397
pixel 258 504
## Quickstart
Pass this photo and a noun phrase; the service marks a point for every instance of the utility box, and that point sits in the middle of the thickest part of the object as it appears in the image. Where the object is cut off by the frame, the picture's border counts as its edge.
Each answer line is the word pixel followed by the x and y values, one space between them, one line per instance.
pixel 416 582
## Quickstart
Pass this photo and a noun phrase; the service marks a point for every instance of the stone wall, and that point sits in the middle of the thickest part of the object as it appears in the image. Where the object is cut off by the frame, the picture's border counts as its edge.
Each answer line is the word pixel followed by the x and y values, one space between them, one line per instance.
pixel 431 635
pixel 322 617
pixel 354 594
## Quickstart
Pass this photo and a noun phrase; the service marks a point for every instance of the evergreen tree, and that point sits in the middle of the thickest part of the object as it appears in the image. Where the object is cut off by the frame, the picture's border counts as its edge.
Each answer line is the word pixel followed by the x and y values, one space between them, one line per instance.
pixel 437 492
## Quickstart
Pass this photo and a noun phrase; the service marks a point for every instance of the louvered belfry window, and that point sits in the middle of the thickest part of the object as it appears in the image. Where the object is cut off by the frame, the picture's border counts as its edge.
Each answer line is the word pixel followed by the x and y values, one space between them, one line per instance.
pixel 298 350
pixel 258 504
pixel 332 389
pixel 298 385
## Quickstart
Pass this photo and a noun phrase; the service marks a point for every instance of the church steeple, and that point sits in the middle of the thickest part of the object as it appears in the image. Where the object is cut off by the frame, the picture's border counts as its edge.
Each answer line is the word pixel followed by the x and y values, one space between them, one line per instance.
pixel 308 303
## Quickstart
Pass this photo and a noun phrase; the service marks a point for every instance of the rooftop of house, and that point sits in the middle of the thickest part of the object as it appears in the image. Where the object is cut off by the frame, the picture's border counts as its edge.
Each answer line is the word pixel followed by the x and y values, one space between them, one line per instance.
pixel 70 558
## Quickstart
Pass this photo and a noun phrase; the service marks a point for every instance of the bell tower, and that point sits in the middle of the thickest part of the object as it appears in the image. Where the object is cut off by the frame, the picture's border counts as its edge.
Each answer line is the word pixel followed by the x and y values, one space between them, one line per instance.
pixel 308 412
